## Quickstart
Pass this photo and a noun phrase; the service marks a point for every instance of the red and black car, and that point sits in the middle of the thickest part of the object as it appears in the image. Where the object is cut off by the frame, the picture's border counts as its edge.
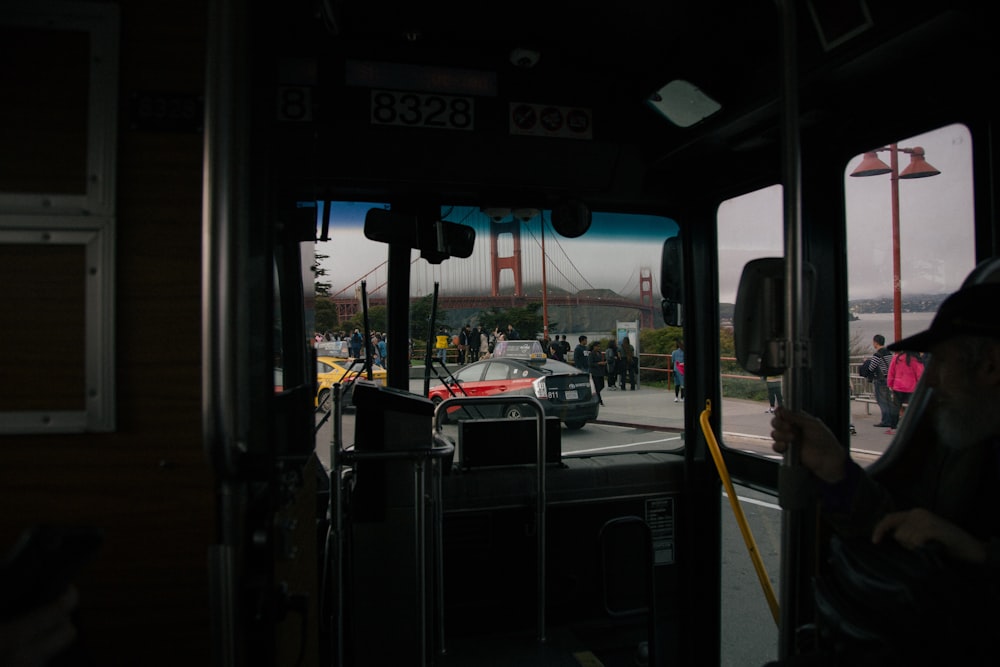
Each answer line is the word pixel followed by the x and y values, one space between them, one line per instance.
pixel 521 368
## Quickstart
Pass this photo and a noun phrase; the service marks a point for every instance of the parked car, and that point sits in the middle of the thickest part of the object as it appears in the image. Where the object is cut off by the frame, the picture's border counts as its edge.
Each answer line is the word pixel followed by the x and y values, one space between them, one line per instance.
pixel 520 368
pixel 331 370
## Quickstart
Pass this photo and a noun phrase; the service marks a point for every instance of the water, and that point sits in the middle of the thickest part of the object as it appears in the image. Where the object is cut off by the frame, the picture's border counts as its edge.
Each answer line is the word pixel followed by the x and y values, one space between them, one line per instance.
pixel 861 331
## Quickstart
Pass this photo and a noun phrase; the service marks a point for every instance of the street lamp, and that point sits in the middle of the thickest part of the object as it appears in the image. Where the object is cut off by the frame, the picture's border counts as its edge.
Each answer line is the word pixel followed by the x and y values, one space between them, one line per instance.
pixel 871 165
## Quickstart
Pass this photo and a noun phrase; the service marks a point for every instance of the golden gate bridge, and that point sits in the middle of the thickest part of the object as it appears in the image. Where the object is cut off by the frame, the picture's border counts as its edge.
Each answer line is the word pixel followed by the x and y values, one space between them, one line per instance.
pixel 515 277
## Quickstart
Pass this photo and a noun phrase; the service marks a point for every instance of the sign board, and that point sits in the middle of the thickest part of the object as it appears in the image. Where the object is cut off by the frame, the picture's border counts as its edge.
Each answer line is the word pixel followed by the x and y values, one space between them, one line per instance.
pixel 546 120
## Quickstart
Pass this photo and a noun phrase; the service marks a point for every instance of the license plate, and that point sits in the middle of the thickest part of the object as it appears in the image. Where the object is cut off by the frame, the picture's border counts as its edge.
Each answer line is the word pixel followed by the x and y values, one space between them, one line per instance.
pixel 571 395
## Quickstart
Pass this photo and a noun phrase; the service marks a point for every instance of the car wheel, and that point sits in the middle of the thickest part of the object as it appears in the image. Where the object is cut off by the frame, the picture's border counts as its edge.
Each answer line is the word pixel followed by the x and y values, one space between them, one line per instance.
pixel 514 412
pixel 323 402
pixel 575 426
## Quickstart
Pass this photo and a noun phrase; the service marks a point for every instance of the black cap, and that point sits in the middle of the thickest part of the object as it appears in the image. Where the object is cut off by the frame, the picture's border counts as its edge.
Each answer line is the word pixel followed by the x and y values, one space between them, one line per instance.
pixel 971 311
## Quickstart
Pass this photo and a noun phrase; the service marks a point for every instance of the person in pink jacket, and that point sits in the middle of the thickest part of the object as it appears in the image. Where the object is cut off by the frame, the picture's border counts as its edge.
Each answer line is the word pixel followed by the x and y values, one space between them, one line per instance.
pixel 905 370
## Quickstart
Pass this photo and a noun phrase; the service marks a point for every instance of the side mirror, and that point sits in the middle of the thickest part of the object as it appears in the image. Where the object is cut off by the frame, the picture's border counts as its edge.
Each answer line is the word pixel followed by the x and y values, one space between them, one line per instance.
pixel 759 315
pixel 436 239
pixel 672 282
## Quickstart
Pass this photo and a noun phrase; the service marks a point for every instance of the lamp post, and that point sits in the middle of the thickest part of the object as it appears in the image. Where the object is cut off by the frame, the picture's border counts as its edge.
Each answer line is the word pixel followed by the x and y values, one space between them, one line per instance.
pixel 871 165
pixel 524 215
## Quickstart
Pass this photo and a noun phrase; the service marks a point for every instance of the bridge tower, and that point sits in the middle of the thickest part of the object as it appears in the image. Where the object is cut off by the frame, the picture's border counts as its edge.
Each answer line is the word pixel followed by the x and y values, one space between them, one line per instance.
pixel 646 296
pixel 512 262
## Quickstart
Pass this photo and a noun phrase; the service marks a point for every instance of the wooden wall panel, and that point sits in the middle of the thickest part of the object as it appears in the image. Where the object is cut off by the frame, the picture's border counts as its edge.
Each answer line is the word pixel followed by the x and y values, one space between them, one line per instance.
pixel 148 483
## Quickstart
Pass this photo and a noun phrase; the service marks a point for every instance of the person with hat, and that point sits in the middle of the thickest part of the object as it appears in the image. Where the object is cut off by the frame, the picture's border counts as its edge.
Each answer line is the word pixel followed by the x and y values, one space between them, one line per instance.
pixel 936 492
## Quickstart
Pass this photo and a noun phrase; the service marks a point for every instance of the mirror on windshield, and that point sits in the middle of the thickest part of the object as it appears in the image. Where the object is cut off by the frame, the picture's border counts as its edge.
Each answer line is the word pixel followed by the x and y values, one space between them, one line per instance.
pixel 436 239
pixel 672 282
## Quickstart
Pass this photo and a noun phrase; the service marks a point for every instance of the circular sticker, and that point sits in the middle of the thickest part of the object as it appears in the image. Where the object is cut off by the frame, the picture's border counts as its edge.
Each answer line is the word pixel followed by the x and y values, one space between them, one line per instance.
pixel 552 119
pixel 524 117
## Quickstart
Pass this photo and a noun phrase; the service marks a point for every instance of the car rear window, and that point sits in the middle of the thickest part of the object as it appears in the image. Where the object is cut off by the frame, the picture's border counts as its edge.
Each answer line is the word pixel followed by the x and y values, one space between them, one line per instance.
pixel 497 371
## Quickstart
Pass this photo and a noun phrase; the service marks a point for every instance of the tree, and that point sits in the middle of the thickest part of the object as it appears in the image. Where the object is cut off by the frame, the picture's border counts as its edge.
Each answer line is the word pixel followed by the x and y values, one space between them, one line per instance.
pixel 376 319
pixel 527 319
pixel 420 314
pixel 326 315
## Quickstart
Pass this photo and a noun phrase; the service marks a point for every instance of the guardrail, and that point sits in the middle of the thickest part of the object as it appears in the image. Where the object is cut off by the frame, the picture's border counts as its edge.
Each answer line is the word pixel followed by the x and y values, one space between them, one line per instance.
pixel 861 389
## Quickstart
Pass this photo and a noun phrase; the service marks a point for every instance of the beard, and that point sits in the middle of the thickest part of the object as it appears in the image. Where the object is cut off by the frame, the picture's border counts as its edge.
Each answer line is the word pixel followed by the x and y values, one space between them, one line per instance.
pixel 967 420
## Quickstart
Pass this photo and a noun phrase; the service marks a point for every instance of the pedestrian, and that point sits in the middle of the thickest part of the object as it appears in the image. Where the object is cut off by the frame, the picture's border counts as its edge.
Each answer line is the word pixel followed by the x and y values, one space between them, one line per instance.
pixel 383 352
pixel 581 355
pixel 463 344
pixel 598 368
pixel 774 397
pixel 564 348
pixel 630 365
pixel 905 370
pixel 512 333
pixel 485 346
pixel 475 343
pixel 556 351
pixel 921 524
pixel 613 357
pixel 357 342
pixel 876 368
pixel 441 344
pixel 677 362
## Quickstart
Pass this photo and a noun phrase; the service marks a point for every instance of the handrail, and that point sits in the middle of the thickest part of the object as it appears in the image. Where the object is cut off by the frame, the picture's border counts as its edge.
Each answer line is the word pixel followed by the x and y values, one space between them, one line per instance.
pixel 734 502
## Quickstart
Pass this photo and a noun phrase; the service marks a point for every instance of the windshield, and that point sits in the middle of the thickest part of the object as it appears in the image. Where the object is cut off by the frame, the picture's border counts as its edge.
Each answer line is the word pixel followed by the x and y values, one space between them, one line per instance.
pixel 522 290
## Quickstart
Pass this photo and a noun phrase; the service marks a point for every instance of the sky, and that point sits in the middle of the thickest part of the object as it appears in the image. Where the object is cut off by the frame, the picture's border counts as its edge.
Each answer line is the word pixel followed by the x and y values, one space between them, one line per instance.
pixel 935 220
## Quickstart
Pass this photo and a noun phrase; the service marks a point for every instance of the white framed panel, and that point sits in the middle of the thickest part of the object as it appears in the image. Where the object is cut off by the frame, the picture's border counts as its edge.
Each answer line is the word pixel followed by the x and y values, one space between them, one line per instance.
pixel 60 76
pixel 54 271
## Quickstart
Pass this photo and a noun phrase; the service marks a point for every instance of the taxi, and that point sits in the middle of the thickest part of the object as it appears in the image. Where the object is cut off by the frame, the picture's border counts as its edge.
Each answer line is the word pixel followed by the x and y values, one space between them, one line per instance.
pixel 331 370
pixel 520 368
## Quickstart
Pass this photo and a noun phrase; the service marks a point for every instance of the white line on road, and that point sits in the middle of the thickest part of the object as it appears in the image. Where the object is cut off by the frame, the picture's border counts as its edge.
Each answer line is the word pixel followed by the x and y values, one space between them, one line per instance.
pixel 631 444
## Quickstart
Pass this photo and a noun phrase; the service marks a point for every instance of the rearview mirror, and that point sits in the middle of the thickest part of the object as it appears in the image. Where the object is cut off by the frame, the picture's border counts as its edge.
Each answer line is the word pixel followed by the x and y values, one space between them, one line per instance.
pixel 436 239
pixel 759 315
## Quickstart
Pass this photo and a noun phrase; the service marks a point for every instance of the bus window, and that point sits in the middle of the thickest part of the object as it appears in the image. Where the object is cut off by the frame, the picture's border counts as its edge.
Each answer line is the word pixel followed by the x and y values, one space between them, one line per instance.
pixel 910 243
pixel 749 227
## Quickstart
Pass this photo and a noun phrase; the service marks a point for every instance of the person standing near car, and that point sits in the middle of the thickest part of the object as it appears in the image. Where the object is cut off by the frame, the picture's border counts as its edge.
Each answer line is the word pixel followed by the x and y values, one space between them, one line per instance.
pixel 677 361
pixel 581 355
pixel 463 345
pixel 629 365
pixel 598 369
pixel 441 344
pixel 357 342
pixel 485 347
pixel 613 357
pixel 475 340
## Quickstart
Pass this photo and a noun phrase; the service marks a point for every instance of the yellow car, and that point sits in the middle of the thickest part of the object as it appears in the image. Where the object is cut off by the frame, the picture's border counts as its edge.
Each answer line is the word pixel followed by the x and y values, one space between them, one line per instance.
pixel 331 370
